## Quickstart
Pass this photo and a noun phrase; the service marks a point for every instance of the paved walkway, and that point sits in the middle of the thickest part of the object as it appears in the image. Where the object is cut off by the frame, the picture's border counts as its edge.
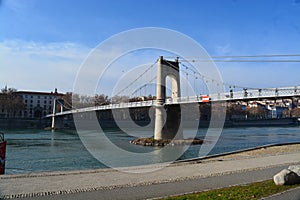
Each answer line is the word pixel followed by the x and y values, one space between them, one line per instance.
pixel 153 191
pixel 113 184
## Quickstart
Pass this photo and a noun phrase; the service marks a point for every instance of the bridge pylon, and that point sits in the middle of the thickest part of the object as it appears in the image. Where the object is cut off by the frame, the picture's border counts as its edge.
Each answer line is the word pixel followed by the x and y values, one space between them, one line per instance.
pixel 167 121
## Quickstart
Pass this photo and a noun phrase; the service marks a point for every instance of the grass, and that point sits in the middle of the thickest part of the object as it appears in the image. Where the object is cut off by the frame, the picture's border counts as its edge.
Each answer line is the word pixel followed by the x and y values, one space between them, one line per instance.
pixel 245 192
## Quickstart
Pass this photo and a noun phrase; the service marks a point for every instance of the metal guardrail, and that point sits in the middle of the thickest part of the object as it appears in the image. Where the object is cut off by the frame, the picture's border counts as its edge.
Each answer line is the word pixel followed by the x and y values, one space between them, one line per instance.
pixel 238 95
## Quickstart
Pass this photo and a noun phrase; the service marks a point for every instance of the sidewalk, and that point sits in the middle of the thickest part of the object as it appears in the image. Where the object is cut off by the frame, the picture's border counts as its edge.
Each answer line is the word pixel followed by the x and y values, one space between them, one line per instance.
pixel 108 180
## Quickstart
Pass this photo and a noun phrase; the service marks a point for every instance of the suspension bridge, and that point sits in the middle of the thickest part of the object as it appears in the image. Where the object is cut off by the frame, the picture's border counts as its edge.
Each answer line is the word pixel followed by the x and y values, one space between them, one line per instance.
pixel 269 93
pixel 178 71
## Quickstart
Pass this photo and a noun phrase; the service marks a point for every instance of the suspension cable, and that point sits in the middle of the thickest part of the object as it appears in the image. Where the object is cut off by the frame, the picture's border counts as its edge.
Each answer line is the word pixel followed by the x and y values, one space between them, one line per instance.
pixel 134 92
pixel 130 84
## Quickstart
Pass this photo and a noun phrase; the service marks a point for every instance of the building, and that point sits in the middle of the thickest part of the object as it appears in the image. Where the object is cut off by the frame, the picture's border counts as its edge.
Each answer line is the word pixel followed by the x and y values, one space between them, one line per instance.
pixel 38 104
pixel 3 112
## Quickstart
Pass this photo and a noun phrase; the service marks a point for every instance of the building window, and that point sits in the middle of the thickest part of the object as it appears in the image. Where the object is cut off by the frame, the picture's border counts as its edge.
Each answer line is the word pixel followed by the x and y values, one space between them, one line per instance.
pixel 26 96
pixel 38 101
pixel 45 102
pixel 50 102
pixel 45 107
pixel 31 97
pixel 45 97
pixel 25 100
pixel 38 97
pixel 31 101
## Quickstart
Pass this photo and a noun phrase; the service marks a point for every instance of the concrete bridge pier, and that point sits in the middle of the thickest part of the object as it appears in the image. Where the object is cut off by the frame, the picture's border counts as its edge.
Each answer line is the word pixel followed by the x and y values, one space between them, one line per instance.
pixel 167 121
pixel 57 122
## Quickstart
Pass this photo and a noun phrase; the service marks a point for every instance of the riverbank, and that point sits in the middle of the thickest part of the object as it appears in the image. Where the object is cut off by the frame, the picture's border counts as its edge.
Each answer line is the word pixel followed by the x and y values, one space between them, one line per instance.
pixel 112 180
pixel 23 123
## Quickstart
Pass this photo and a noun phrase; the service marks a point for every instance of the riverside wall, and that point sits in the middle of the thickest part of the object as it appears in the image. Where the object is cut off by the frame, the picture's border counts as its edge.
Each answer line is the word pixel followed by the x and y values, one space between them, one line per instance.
pixel 17 123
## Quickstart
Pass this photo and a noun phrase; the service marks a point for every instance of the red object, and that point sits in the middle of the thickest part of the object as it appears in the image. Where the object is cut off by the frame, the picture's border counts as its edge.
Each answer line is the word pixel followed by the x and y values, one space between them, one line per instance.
pixel 205 99
pixel 2 156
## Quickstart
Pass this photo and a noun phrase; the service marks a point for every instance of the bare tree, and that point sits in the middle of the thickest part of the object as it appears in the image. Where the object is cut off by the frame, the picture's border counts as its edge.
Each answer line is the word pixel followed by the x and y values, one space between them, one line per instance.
pixel 257 112
pixel 295 112
pixel 11 102
pixel 120 99
pixel 101 100
pixel 68 101
pixel 234 110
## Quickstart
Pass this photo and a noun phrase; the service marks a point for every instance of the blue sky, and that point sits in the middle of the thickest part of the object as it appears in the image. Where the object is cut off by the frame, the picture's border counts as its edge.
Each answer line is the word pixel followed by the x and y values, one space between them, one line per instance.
pixel 44 42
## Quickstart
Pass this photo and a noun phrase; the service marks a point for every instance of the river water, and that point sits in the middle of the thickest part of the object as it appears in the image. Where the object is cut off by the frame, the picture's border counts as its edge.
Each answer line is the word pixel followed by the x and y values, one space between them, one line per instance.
pixel 39 150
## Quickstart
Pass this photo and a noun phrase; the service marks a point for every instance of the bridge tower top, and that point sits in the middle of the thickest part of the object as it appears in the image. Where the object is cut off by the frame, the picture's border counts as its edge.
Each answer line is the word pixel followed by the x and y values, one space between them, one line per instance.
pixel 166 69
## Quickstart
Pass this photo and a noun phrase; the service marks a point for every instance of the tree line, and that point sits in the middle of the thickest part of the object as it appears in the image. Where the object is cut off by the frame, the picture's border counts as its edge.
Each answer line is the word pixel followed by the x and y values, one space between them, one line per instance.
pixel 75 101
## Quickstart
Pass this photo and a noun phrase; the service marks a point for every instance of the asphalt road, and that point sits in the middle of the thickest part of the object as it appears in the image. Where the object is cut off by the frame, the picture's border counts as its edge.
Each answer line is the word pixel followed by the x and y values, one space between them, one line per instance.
pixel 293 194
pixel 179 187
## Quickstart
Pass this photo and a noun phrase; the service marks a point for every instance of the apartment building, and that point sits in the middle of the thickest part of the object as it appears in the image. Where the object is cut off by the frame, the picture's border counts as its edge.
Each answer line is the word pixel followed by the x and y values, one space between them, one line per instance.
pixel 38 104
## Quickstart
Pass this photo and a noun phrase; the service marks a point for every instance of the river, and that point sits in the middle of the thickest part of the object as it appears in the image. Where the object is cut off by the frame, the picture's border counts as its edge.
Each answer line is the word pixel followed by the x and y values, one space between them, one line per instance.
pixel 39 150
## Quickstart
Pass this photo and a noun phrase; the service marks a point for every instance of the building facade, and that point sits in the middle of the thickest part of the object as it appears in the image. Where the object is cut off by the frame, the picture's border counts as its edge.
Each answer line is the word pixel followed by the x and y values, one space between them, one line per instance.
pixel 38 104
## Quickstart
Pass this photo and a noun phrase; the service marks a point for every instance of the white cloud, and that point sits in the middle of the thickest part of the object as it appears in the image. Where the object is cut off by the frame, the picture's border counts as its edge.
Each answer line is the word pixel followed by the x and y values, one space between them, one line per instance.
pixel 30 65
pixel 40 66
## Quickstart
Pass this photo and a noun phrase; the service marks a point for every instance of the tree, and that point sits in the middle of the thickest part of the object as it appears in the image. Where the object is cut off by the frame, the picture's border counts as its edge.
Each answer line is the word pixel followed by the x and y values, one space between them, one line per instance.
pixel 295 112
pixel 257 112
pixel 235 110
pixel 120 99
pixel 11 102
pixel 68 101
pixel 205 111
pixel 101 100
pixel 82 101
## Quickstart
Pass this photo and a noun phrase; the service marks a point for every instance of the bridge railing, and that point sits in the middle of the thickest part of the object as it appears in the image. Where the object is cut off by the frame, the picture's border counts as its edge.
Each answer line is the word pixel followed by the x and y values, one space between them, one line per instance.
pixel 108 107
pixel 258 93
pixel 179 100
